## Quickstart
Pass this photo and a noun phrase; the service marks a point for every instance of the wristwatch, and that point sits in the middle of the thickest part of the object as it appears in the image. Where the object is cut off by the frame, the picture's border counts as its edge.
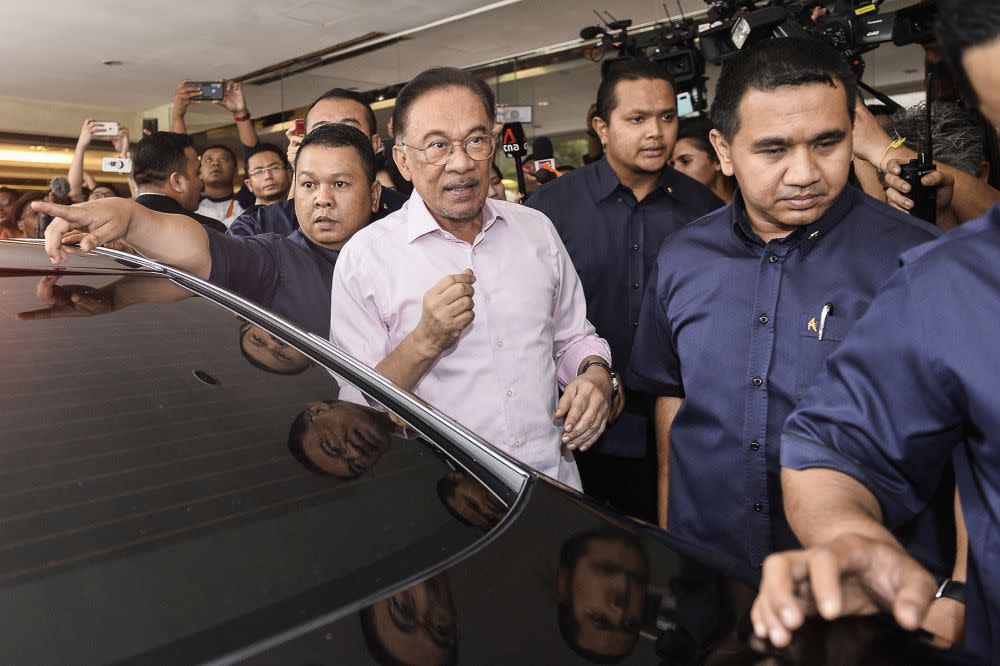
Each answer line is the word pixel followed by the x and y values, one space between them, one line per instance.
pixel 614 375
pixel 951 589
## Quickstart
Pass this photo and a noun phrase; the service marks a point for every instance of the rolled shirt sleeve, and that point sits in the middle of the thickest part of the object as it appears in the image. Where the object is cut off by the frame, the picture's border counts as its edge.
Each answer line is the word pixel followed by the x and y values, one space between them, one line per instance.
pixel 882 412
pixel 574 337
pixel 248 266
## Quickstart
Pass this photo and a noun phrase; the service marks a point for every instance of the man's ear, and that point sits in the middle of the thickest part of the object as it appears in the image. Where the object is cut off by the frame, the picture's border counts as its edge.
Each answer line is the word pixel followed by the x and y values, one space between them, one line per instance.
pixel 722 151
pixel 399 157
pixel 246 182
pixel 176 181
pixel 376 143
pixel 376 195
pixel 562 586
pixel 601 128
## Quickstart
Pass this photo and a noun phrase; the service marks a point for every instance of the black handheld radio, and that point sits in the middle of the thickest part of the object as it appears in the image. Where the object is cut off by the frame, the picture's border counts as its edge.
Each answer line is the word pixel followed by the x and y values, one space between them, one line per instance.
pixel 924 198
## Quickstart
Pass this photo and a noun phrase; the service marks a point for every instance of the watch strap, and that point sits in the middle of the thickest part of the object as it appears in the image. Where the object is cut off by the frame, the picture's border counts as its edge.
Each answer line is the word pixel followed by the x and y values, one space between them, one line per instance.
pixel 951 589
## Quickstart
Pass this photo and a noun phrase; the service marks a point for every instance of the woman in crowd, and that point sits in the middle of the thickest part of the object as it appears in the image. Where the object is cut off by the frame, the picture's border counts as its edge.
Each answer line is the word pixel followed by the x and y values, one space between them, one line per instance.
pixel 694 156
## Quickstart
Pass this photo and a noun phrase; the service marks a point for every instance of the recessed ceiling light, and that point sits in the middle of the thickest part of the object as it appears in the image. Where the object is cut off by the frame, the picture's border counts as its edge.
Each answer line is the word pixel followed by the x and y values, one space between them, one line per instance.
pixel 542 102
pixel 112 63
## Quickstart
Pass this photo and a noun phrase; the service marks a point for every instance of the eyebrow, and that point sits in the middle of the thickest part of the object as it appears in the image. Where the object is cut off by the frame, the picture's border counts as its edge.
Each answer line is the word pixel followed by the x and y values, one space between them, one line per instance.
pixel 647 112
pixel 338 174
pixel 477 128
pixel 783 142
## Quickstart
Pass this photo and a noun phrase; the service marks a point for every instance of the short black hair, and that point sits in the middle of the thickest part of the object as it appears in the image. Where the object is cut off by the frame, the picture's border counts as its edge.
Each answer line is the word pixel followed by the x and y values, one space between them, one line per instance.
pixel 335 135
pixel 962 25
pixel 378 651
pixel 569 555
pixel 244 329
pixel 696 130
pixel 626 69
pixel 17 209
pixel 269 148
pixel 158 155
pixel 434 79
pixel 353 95
pixel 777 63
pixel 296 433
pixel 219 146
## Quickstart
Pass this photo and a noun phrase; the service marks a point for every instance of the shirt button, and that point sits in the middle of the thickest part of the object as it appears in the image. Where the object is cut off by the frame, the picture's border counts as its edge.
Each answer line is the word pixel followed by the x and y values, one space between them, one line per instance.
pixel 635 285
pixel 763 319
pixel 619 199
pixel 517 442
pixel 773 258
pixel 499 343
pixel 758 382
pixel 635 324
pixel 758 507
pixel 635 246
pixel 754 445
pixel 509 393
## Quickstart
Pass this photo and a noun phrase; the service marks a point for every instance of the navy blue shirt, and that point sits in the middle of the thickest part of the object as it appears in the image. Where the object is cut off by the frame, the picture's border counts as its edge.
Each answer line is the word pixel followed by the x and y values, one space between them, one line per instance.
pixel 613 240
pixel 279 218
pixel 733 326
pixel 918 384
pixel 288 275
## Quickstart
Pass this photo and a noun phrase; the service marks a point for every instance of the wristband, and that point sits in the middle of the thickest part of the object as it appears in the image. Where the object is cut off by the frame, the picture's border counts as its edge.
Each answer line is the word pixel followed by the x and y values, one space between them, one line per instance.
pixel 951 589
pixel 246 116
pixel 892 146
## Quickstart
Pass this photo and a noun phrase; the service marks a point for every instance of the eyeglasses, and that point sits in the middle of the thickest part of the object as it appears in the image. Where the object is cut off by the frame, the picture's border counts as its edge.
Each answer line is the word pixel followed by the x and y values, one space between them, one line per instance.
pixel 479 147
pixel 274 168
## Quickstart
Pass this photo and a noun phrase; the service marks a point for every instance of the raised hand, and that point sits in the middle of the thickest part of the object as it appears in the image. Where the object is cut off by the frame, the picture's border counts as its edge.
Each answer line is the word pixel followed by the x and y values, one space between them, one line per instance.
pixel 448 310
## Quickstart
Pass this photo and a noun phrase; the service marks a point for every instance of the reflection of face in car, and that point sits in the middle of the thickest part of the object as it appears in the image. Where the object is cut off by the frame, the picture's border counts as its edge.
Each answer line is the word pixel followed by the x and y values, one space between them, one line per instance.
pixel 270 354
pixel 470 501
pixel 601 591
pixel 416 626
pixel 342 439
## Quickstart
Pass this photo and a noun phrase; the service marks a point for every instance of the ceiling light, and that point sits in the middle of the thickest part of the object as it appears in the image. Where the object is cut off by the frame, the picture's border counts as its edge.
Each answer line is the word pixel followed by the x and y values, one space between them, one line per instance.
pixel 542 102
pixel 34 157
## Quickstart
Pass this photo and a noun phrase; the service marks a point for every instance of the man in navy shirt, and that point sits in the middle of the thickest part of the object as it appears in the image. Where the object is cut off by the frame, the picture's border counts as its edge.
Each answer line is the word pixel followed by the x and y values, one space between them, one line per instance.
pixel 914 386
pixel 345 107
pixel 335 195
pixel 744 305
pixel 613 215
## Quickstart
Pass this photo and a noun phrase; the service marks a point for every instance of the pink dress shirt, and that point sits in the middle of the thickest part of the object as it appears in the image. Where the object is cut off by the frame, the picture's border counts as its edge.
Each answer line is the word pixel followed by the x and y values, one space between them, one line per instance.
pixel 530 334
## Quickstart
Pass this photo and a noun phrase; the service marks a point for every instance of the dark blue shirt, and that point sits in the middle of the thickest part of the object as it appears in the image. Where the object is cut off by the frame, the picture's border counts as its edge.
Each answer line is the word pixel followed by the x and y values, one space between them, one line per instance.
pixel 288 275
pixel 733 326
pixel 613 240
pixel 279 218
pixel 916 385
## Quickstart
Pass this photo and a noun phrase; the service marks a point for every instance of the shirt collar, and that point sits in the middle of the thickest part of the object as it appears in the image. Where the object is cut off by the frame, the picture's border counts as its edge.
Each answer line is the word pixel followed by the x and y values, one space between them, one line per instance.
pixel 608 183
pixel 325 253
pixel 805 237
pixel 420 222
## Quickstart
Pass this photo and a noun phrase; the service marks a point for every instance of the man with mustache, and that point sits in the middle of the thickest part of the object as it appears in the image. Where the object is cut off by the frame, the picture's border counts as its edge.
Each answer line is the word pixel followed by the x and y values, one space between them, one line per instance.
pixel 745 304
pixel 335 195
pixel 404 301
pixel 613 215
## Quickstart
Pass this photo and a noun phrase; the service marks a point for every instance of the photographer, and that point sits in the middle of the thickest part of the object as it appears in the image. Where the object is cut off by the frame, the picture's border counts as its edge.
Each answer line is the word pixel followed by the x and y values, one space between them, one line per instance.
pixel 218 163
pixel 77 177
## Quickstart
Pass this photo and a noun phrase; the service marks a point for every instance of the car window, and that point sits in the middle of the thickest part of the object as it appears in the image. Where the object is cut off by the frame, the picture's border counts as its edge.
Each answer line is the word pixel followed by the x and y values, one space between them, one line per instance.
pixel 175 477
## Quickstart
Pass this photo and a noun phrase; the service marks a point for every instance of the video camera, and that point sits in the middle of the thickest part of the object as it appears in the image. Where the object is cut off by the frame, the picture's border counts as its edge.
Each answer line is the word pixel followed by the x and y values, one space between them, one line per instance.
pixel 854 27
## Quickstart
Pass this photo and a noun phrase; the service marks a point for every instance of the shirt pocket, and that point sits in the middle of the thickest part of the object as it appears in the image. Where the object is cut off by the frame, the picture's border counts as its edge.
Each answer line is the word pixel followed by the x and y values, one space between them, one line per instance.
pixel 813 352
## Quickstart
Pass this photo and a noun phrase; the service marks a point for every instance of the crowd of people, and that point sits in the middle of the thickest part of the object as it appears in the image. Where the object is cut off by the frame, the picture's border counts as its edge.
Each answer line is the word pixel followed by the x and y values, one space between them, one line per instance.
pixel 706 326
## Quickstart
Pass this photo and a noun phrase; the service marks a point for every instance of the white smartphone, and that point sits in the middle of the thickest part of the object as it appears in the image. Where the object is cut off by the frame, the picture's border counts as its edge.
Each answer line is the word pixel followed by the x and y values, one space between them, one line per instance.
pixel 106 128
pixel 116 165
pixel 685 107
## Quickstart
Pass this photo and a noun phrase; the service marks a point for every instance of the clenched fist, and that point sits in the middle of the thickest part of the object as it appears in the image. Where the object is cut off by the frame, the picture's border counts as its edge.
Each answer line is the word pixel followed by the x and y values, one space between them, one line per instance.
pixel 447 312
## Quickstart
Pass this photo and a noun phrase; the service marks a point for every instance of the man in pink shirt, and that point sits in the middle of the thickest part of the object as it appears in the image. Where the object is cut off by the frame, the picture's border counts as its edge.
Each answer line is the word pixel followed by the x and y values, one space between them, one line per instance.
pixel 473 303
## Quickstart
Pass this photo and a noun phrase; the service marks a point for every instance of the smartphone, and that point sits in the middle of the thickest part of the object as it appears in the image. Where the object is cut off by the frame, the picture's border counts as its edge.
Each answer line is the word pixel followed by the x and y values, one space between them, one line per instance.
pixel 210 90
pixel 106 128
pixel 685 107
pixel 150 125
pixel 300 127
pixel 116 165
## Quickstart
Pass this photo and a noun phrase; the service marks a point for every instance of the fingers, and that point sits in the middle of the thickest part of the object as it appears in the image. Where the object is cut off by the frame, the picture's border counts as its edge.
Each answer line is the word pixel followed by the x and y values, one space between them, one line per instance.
pixel 913 597
pixel 53 240
pixel 565 401
pixel 824 576
pixel 447 281
pixel 777 612
pixel 45 291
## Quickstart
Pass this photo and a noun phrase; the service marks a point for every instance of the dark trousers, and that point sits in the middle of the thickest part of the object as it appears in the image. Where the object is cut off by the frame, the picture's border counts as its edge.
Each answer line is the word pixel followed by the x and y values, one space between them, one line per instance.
pixel 627 485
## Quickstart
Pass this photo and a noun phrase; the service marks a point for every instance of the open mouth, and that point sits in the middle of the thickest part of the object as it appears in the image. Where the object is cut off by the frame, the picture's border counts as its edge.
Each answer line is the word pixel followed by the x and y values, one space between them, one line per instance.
pixel 461 190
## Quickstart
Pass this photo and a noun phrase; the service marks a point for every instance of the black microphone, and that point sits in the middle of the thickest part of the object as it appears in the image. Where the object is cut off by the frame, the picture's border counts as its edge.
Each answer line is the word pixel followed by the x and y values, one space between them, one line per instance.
pixel 541 148
pixel 592 32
